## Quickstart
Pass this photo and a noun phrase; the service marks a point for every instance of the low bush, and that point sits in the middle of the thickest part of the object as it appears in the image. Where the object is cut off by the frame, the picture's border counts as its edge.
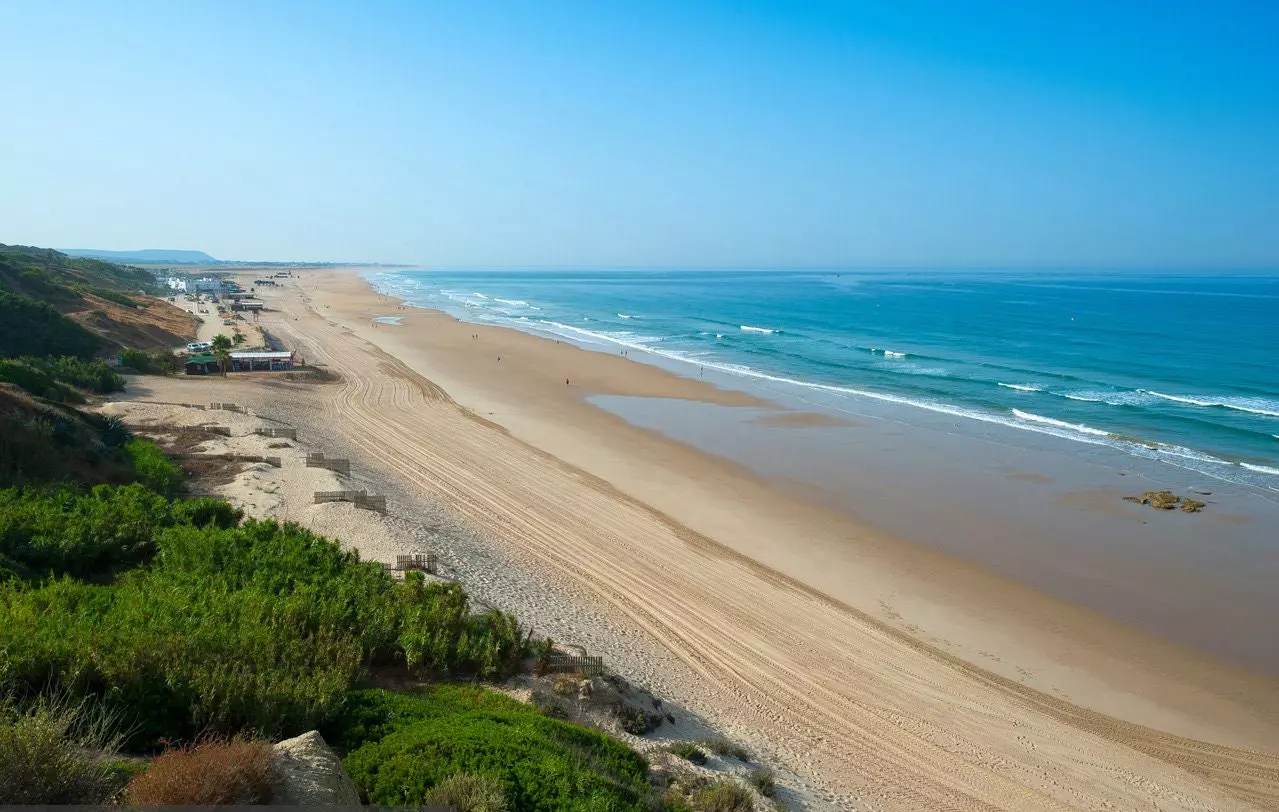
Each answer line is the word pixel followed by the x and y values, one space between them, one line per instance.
pixel 726 748
pixel 214 771
pixel 55 751
pixel 468 793
pixel 688 751
pixel 722 796
pixel 43 442
pixel 30 327
pixel 206 512
pixel 763 780
pixel 66 532
pixel 91 375
pixel 158 362
pixel 260 627
pixel 153 469
pixel 37 382
pixel 401 747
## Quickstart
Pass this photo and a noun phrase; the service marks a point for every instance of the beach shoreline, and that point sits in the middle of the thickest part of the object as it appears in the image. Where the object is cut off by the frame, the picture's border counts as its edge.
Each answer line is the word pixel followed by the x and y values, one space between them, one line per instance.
pixel 849 655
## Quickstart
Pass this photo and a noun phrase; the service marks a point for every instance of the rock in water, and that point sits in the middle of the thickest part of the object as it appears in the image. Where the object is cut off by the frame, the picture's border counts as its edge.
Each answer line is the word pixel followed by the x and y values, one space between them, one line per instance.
pixel 306 772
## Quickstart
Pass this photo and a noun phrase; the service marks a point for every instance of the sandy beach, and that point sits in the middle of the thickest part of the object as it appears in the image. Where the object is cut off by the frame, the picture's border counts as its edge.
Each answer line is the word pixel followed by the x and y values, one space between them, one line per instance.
pixel 875 673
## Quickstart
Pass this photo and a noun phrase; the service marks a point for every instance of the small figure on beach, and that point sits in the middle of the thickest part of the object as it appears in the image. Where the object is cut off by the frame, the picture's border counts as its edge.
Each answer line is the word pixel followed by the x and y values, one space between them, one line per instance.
pixel 566 381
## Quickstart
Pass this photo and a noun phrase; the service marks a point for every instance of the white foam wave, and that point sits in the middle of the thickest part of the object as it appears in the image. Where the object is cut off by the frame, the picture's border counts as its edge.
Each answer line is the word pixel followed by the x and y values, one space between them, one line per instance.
pixel 479 295
pixel 1253 405
pixel 516 303
pixel 1022 387
pixel 1261 469
pixel 746 328
pixel 1061 424
pixel 622 316
pixel 891 354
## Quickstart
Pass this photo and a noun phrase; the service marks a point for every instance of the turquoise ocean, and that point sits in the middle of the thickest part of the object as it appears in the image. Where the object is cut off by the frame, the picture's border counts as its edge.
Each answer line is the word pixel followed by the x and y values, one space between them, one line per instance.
pixel 1182 369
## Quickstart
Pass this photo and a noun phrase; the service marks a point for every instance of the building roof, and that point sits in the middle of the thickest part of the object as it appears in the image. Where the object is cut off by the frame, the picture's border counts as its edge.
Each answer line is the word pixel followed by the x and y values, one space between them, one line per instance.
pixel 246 356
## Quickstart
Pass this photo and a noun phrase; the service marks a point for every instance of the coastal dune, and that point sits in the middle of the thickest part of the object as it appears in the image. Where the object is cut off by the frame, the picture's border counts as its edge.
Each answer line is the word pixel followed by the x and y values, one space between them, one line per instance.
pixel 869 713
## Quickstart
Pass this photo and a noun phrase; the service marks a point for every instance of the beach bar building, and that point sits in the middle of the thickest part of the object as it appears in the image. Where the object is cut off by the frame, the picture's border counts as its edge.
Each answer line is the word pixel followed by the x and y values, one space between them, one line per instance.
pixel 261 361
pixel 203 364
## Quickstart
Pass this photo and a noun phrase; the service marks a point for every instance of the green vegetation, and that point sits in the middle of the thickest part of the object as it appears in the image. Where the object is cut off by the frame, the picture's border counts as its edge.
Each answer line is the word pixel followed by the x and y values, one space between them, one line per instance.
pixel 43 442
pixel 153 469
pixel 158 362
pixel 29 327
pixel 403 746
pixel 37 382
pixel 92 376
pixel 261 627
pixel 688 751
pixel 763 780
pixel 54 751
pixel 66 532
pixel 725 748
pixel 469 793
pixel 722 796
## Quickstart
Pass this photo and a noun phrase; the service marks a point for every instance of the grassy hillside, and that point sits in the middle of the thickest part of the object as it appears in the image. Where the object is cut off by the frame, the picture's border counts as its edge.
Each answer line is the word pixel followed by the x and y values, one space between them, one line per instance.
pixel 53 304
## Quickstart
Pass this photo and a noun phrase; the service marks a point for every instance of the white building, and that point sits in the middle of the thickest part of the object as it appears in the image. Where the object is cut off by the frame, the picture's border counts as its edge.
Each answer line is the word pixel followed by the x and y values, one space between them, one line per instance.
pixel 176 283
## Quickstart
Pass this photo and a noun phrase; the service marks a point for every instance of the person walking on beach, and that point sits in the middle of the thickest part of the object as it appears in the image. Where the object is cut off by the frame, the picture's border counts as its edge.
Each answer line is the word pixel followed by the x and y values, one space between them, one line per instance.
pixel 566 381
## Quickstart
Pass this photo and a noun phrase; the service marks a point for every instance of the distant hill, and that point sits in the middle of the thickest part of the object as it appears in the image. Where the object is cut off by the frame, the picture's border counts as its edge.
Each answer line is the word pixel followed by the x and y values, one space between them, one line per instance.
pixel 145 255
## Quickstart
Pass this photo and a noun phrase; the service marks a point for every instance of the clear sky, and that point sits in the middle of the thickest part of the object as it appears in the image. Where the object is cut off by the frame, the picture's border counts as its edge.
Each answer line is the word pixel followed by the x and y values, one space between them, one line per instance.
pixel 544 133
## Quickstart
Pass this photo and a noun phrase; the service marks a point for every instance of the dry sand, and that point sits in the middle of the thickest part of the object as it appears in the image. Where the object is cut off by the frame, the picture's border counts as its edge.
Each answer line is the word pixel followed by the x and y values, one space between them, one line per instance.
pixel 876 674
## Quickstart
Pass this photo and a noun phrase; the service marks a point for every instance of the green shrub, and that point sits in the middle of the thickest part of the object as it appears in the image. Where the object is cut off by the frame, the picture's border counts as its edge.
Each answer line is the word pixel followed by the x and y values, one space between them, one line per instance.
pixel 43 442
pixel 29 327
pixel 37 382
pixel 726 748
pixel 468 793
pixel 205 512
pixel 53 751
pixel 688 751
pixel 93 375
pixel 722 796
pixel 158 362
pixel 260 627
pixel 65 532
pixel 402 746
pixel 153 469
pixel 763 780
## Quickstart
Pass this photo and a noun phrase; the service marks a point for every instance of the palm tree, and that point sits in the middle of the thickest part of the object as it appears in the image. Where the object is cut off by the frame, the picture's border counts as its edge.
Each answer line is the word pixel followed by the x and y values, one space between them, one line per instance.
pixel 222 349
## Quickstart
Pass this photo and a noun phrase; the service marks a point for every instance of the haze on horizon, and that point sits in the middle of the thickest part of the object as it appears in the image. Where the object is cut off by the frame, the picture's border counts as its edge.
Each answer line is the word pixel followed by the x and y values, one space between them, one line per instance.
pixel 912 133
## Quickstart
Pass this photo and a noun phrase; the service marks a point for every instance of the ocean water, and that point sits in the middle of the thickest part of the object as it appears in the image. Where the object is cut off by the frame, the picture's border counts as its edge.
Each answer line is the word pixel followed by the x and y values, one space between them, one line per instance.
pixel 1182 369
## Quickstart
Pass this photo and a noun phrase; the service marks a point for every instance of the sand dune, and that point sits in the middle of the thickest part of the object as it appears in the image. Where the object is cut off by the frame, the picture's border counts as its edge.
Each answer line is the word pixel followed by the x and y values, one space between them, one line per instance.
pixel 869 716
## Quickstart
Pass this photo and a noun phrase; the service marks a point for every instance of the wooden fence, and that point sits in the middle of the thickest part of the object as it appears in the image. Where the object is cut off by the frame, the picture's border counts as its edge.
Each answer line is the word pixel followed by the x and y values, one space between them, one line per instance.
pixel 291 434
pixel 317 460
pixel 418 561
pixel 225 431
pixel 274 462
pixel 227 407
pixel 574 663
pixel 358 498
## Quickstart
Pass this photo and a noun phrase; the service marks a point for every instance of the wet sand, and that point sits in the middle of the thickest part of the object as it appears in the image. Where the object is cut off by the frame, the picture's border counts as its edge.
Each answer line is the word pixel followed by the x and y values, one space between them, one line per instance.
pixel 892 675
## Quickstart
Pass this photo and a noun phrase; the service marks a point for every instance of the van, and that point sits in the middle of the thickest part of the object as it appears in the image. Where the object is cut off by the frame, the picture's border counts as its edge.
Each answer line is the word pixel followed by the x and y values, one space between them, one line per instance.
pixel 196 346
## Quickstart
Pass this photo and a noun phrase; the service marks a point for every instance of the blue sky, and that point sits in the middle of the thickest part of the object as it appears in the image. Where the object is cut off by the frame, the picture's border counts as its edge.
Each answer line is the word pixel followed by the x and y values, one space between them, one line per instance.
pixel 477 134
